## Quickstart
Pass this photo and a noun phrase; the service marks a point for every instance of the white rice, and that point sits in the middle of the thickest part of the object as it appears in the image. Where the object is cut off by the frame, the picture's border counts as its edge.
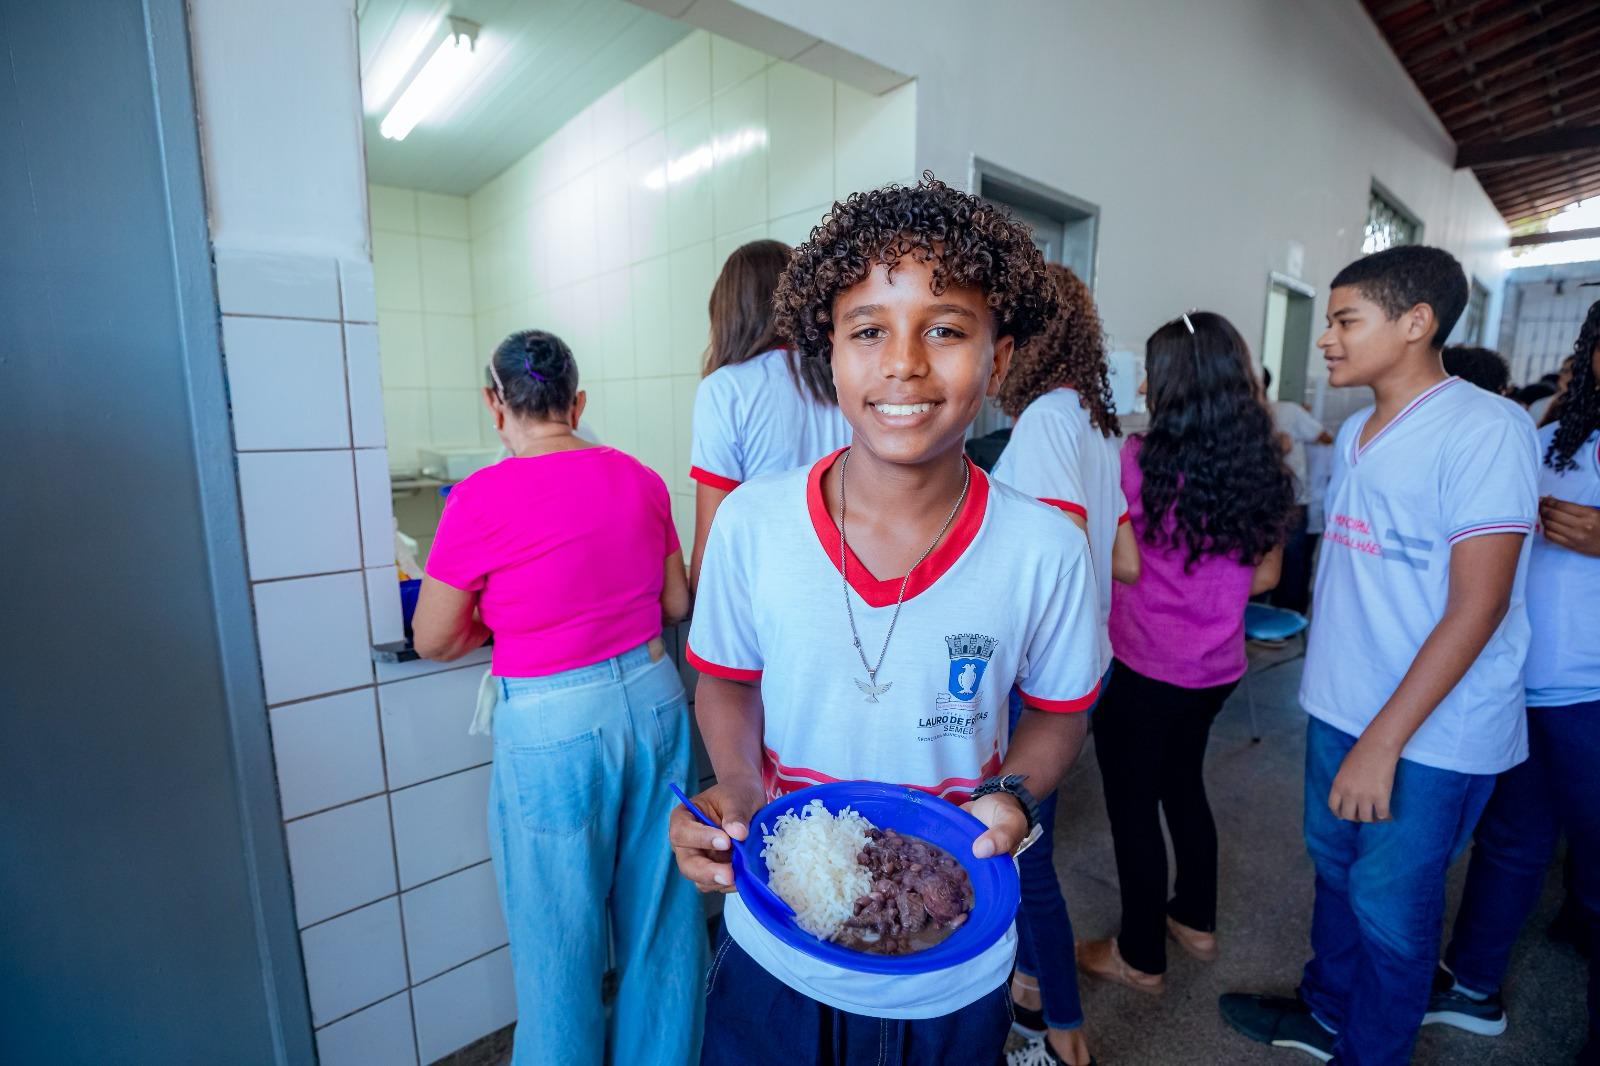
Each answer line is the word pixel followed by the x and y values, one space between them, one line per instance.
pixel 811 864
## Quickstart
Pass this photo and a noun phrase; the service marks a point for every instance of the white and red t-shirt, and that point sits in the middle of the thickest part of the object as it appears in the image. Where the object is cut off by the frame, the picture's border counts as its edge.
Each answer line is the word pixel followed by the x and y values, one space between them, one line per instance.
pixel 1457 462
pixel 1007 598
pixel 1056 455
pixel 752 418
pixel 1563 589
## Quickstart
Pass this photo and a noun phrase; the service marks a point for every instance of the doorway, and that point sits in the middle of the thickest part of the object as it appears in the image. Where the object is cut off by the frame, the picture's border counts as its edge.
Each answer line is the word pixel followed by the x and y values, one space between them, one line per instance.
pixel 1065 230
pixel 1286 345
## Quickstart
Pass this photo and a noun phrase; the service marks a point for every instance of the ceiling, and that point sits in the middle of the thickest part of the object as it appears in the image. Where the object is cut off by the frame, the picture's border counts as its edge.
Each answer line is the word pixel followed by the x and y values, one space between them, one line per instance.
pixel 541 62
pixel 1516 83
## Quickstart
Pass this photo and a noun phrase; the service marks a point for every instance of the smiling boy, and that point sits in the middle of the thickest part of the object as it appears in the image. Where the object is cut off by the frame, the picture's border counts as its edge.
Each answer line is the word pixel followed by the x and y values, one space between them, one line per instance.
pixel 1413 674
pixel 867 617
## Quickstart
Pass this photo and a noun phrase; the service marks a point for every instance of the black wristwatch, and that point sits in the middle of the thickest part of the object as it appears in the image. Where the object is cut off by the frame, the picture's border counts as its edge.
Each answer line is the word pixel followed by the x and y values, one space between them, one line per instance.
pixel 1012 783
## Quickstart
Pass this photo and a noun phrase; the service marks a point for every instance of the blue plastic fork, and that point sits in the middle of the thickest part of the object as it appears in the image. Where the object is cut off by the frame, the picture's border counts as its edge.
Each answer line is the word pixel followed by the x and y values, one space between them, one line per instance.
pixel 742 877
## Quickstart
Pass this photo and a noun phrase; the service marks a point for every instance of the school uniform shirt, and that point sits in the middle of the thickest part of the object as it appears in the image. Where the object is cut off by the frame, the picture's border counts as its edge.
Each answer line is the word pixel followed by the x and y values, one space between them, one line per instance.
pixel 1563 588
pixel 1457 462
pixel 1301 428
pixel 1057 456
pixel 753 418
pixel 1006 598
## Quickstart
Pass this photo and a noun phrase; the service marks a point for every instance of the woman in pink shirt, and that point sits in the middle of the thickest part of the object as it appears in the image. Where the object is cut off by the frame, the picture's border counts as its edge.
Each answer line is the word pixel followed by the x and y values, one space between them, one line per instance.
pixel 566 554
pixel 1209 499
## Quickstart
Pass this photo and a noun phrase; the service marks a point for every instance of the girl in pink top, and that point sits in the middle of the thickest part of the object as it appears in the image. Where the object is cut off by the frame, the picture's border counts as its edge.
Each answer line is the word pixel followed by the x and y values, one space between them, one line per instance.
pixel 1209 498
pixel 565 553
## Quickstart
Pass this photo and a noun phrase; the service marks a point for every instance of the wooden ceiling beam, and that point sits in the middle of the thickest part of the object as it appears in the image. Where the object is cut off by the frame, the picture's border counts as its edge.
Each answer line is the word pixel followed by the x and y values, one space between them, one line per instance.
pixel 1531 117
pixel 1533 85
pixel 1412 30
pixel 1477 55
pixel 1464 37
pixel 1559 237
pixel 1535 53
pixel 1552 202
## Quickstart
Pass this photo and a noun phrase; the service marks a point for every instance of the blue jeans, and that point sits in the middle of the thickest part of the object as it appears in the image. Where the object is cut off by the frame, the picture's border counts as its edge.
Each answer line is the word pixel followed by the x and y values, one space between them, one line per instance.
pixel 754 1019
pixel 1044 928
pixel 1380 899
pixel 578 806
pixel 1555 790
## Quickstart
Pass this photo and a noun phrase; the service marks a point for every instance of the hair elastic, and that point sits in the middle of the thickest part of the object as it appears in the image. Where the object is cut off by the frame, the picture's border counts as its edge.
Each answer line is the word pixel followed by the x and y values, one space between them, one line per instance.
pixel 527 364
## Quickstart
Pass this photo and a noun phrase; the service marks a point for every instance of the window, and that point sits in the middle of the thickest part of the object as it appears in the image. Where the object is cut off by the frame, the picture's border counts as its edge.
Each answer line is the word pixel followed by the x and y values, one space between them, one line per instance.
pixel 1388 224
pixel 1472 321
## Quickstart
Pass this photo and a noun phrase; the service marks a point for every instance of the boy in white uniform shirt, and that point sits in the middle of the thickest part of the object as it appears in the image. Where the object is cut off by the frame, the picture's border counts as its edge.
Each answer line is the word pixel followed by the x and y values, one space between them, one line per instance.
pixel 1557 790
pixel 1413 676
pixel 814 668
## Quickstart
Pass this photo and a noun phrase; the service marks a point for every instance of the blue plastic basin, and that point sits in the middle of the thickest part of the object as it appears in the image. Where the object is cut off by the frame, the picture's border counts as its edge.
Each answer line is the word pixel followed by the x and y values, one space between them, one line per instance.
pixel 995 888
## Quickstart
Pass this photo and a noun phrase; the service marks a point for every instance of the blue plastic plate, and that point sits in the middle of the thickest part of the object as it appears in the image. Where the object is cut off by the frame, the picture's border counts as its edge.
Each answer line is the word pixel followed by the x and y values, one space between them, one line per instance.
pixel 995 888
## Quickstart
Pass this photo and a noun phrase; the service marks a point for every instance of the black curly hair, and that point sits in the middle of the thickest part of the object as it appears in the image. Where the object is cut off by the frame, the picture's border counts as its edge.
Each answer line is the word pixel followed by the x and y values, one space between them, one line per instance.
pixel 969 242
pixel 1398 279
pixel 1211 458
pixel 1071 351
pixel 534 374
pixel 1580 404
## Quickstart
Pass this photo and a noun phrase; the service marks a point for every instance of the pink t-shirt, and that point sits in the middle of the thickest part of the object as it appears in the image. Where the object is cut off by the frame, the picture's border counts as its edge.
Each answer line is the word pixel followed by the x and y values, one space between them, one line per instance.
pixel 566 551
pixel 1182 627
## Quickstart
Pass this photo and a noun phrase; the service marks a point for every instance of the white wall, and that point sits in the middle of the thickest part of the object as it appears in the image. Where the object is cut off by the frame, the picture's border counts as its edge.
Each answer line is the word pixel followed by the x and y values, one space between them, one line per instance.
pixel 380 789
pixel 1211 135
pixel 281 130
pixel 433 369
pixel 578 238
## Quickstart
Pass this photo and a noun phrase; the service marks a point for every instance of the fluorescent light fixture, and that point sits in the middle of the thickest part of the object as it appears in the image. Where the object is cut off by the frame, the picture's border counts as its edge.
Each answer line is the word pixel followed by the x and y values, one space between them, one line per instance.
pixel 705 156
pixel 437 81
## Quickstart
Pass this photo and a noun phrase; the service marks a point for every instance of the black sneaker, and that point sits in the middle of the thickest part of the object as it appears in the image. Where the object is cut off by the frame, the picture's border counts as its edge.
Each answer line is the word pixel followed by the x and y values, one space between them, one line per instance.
pixel 1027 1023
pixel 1486 1017
pixel 1036 1053
pixel 1282 1021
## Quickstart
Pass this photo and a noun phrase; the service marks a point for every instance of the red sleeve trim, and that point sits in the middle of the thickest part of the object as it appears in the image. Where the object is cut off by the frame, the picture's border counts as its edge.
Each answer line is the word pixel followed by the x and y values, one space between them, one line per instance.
pixel 1082 703
pixel 727 673
pixel 1068 506
pixel 1125 518
pixel 716 481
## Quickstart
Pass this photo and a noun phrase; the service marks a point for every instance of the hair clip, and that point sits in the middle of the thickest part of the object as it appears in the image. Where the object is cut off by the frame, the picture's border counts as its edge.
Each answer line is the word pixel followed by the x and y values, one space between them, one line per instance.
pixel 1187 323
pixel 499 386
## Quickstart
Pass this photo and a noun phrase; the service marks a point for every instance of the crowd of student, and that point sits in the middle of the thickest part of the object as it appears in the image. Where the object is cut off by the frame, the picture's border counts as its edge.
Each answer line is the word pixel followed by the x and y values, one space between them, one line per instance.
pixel 847 549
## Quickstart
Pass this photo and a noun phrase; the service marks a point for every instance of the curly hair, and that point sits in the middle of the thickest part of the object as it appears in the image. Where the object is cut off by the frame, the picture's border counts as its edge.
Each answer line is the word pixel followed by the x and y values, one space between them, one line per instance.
pixel 1214 481
pixel 1483 367
pixel 1580 404
pixel 1071 351
pixel 969 242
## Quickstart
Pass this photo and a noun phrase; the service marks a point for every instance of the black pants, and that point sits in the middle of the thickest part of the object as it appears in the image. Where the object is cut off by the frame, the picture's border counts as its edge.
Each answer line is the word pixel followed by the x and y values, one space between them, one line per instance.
pixel 1294 581
pixel 1150 738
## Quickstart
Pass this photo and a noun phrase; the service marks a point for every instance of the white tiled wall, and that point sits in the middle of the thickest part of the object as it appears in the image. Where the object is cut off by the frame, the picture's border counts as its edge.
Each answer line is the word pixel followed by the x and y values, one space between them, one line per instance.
pixel 587 236
pixel 432 369
pixel 379 784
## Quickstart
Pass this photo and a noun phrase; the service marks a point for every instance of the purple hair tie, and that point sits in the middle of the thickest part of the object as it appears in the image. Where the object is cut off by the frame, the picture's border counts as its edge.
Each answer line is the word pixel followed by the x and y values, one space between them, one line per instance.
pixel 527 364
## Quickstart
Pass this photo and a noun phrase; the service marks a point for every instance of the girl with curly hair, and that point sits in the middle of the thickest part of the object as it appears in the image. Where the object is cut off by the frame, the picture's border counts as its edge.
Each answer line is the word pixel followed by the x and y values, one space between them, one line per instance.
pixel 850 626
pixel 1063 451
pixel 761 406
pixel 1554 791
pixel 1210 499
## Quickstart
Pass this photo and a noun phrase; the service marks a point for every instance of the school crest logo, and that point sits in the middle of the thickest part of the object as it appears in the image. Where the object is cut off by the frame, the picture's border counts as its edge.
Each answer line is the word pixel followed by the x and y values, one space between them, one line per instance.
pixel 969 658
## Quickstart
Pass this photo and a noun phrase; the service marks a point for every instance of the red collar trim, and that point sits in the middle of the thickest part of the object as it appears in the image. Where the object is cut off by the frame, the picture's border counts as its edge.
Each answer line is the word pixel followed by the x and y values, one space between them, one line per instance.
pixel 876 591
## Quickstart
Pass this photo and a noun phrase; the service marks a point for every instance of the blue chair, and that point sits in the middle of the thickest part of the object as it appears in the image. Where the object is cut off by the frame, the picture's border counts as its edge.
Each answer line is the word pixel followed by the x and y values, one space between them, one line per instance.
pixel 1267 623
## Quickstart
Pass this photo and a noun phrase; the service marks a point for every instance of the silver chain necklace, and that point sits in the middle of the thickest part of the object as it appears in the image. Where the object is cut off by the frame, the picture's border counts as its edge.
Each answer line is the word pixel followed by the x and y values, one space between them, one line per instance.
pixel 870 686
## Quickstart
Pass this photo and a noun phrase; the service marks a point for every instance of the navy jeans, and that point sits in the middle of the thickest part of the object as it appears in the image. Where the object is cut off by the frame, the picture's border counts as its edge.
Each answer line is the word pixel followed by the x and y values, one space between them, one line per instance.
pixel 1556 789
pixel 1380 899
pixel 753 1019
pixel 1044 929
